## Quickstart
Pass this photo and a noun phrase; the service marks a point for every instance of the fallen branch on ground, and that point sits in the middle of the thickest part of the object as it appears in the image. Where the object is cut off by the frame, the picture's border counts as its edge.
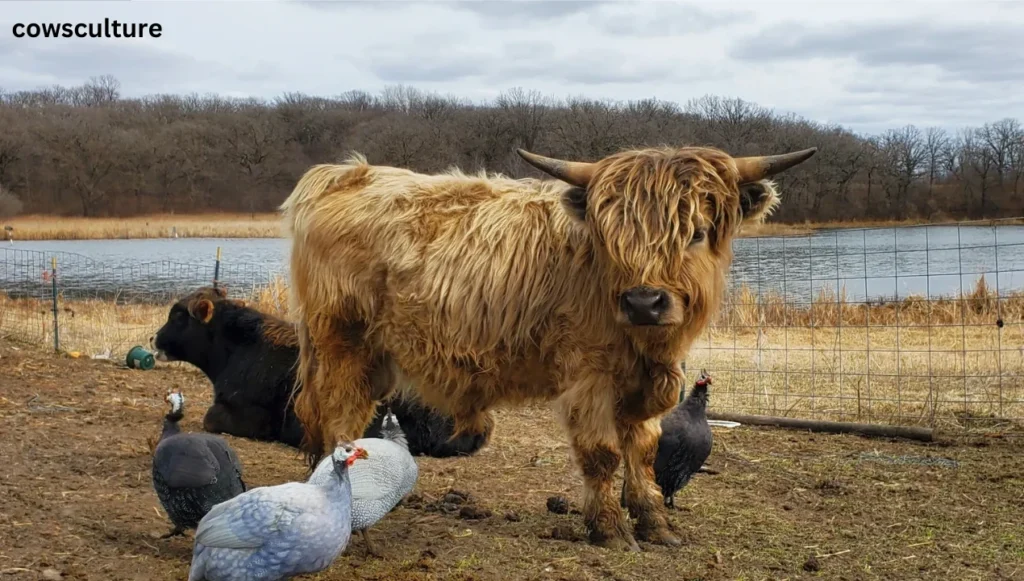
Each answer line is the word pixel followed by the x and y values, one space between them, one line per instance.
pixel 879 431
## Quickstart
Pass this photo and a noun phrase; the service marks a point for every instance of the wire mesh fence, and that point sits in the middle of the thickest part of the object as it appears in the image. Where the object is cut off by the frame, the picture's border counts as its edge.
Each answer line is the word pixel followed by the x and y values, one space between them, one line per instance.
pixel 912 325
pixel 105 309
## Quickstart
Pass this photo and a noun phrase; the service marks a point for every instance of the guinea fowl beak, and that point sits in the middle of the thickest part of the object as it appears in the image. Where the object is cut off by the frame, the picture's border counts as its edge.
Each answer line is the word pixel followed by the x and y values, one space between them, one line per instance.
pixel 360 454
pixel 704 378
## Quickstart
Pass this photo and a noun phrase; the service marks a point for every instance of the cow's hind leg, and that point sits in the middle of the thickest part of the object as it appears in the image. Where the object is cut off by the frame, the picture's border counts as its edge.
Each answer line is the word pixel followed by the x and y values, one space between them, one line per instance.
pixel 340 404
pixel 591 429
pixel 219 420
pixel 643 498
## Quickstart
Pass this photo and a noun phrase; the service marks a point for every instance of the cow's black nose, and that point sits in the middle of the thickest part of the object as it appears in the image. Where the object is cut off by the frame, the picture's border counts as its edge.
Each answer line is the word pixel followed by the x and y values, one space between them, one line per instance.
pixel 644 305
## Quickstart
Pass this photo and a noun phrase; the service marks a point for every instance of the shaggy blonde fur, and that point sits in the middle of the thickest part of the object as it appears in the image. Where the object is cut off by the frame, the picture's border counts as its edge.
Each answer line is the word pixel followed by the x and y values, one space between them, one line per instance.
pixel 483 290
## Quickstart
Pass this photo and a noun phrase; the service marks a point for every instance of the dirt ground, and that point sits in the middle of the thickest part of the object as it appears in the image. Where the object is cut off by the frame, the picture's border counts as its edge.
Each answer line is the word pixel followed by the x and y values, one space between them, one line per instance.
pixel 77 500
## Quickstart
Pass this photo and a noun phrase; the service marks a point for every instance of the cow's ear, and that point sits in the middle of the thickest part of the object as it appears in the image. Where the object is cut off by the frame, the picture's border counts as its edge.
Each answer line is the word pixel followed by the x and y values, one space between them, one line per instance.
pixel 202 310
pixel 757 200
pixel 575 201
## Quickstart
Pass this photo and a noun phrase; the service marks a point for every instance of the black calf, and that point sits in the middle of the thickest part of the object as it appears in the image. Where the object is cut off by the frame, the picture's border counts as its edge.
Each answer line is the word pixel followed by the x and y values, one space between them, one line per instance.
pixel 426 431
pixel 250 357
pixel 245 355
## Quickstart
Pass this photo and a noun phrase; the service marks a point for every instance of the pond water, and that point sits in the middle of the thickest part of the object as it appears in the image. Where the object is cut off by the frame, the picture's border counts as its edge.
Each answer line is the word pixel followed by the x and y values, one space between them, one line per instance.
pixel 870 264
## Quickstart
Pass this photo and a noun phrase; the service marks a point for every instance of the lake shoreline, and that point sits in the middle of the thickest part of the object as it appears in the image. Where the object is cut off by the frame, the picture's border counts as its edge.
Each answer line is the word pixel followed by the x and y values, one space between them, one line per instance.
pixel 879 264
pixel 157 226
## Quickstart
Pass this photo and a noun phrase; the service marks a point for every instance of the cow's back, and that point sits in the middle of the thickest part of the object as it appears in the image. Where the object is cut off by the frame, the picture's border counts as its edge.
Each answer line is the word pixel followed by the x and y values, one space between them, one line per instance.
pixel 458 278
pixel 467 263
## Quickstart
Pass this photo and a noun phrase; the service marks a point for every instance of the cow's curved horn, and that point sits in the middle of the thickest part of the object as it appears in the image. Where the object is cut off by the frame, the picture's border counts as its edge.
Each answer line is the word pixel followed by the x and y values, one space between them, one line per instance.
pixel 574 172
pixel 752 169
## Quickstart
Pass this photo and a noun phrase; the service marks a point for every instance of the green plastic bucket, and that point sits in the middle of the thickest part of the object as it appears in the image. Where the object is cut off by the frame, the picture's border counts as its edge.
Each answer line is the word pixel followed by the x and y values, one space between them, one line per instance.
pixel 139 358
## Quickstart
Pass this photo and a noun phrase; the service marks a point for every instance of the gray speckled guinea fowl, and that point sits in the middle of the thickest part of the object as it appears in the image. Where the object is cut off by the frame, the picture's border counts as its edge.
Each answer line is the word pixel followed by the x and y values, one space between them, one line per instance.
pixel 380 482
pixel 192 472
pixel 278 532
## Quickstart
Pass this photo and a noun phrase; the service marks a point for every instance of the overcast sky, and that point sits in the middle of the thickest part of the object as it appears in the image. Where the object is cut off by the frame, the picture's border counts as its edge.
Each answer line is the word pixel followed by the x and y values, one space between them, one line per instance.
pixel 866 65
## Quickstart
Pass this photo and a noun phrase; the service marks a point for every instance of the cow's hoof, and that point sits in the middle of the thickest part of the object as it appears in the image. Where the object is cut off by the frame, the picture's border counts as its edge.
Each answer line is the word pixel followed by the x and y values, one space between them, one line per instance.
pixel 661 536
pixel 614 543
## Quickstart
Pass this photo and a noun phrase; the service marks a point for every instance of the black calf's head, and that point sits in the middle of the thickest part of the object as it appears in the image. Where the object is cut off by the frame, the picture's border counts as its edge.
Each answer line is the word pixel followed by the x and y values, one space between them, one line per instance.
pixel 193 327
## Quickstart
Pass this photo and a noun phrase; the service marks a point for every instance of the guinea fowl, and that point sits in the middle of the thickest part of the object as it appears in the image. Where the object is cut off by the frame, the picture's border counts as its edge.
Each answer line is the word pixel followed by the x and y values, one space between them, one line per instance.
pixel 685 442
pixel 192 472
pixel 378 484
pixel 277 532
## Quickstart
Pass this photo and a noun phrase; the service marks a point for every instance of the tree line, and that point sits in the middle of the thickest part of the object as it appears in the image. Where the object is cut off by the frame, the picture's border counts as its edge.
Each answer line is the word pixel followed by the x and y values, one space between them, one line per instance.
pixel 88 151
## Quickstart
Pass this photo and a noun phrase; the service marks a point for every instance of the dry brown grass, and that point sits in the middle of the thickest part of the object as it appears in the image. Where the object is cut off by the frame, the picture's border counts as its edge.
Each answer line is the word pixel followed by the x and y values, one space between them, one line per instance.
pixel 42 227
pixel 804 228
pixel 944 362
pixel 78 498
pixel 152 226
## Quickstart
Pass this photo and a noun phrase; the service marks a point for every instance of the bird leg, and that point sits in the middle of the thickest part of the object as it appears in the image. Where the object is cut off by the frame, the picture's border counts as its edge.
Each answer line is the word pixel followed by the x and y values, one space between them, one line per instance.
pixel 370 547
pixel 175 532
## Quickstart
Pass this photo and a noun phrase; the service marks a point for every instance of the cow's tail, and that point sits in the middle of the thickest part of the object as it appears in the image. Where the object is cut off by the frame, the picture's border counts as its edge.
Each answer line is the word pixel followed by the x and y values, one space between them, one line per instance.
pixel 317 181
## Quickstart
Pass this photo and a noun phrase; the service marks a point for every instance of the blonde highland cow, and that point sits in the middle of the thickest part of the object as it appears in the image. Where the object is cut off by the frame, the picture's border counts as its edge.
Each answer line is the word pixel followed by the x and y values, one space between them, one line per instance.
pixel 484 290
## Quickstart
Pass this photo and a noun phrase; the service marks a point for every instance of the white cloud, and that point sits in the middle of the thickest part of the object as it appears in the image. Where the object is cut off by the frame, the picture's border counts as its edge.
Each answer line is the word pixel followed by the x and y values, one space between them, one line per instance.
pixel 865 65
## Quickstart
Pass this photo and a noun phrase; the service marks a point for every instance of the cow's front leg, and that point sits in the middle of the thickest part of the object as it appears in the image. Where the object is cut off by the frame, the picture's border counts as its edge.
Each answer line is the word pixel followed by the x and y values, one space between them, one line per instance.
pixel 590 422
pixel 643 498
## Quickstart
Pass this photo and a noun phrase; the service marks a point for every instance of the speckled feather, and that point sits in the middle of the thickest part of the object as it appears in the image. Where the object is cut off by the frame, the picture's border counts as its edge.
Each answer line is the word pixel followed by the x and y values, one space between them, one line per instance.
pixel 275 532
pixel 379 482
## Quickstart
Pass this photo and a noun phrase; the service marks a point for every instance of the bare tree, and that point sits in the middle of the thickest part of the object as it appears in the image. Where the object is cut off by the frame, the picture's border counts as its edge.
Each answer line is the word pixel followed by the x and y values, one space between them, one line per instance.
pixel 588 129
pixel 405 143
pixel 1003 140
pixel 255 143
pixel 104 90
pixel 527 112
pixel 904 153
pixel 936 147
pixel 10 205
pixel 13 143
pixel 974 167
pixel 732 124
pixel 88 150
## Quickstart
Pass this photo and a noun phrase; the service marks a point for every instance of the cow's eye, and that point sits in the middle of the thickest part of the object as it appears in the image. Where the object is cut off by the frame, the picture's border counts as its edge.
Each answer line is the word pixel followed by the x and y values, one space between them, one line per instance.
pixel 698 236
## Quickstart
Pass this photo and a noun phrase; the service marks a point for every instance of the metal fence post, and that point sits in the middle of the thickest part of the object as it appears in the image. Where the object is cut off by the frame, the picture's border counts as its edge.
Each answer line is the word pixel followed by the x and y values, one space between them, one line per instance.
pixel 53 285
pixel 216 268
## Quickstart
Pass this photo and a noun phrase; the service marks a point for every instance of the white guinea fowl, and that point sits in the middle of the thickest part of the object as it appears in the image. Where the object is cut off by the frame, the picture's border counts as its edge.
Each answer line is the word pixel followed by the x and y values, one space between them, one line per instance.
pixel 278 532
pixel 381 481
